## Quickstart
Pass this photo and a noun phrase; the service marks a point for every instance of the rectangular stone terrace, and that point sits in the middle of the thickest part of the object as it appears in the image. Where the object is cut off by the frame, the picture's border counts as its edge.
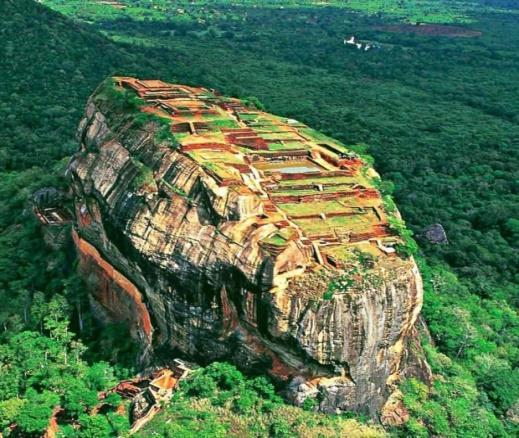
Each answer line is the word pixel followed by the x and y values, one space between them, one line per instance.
pixel 309 181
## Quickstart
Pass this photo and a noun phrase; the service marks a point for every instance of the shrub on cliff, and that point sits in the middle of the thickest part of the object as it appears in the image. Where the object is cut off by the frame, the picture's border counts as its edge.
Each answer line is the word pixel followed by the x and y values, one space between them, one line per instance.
pixel 408 247
pixel 224 385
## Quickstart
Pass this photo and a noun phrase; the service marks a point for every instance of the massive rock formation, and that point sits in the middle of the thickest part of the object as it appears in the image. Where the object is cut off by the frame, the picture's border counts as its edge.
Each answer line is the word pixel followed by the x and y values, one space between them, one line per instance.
pixel 225 233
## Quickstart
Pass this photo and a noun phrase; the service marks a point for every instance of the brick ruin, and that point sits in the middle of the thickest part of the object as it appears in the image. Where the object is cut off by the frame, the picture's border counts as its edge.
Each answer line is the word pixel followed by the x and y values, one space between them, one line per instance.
pixel 290 166
pixel 148 394
pixel 144 397
pixel 49 208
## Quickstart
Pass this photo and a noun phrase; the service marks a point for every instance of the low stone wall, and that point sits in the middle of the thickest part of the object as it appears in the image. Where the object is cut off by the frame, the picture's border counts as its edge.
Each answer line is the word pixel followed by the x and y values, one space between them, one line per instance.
pixel 319 174
pixel 210 146
pixel 378 231
pixel 369 194
pixel 318 216
pixel 313 198
pixel 295 153
pixel 242 168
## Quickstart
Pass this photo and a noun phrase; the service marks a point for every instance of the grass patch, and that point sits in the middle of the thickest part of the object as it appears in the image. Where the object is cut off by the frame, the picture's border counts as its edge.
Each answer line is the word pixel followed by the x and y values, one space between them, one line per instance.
pixel 143 177
pixel 357 223
pixel 248 116
pixel 224 123
pixel 279 136
pixel 324 180
pixel 275 239
pixel 305 208
pixel 287 146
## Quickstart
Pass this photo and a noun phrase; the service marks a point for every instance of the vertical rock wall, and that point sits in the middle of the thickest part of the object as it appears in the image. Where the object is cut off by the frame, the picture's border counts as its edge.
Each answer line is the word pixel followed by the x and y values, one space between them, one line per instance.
pixel 185 268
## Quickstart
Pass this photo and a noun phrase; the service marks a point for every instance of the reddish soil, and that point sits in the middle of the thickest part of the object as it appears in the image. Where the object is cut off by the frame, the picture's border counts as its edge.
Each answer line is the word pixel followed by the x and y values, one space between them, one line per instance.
pixel 432 30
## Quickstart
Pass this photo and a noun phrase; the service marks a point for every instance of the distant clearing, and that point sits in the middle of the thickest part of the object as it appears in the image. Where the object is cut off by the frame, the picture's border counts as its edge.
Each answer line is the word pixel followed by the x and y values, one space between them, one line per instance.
pixel 432 30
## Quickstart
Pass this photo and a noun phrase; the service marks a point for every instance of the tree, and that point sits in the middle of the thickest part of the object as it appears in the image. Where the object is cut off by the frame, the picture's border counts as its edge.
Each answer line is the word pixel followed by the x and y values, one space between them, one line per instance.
pixel 9 410
pixel 78 398
pixel 35 414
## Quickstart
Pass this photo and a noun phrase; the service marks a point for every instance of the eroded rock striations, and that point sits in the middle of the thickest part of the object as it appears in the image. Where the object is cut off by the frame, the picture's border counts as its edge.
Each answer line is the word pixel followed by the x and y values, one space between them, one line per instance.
pixel 226 233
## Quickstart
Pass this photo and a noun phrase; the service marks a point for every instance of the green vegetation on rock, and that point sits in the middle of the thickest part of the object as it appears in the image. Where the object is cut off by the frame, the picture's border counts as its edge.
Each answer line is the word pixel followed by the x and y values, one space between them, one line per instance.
pixel 144 176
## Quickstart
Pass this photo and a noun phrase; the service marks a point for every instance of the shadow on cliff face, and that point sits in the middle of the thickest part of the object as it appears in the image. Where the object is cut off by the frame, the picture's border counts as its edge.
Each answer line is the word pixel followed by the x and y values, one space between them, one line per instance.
pixel 146 233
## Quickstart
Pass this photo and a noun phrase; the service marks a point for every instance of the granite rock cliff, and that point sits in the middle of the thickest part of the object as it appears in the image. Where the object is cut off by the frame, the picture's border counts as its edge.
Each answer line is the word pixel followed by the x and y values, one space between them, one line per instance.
pixel 221 239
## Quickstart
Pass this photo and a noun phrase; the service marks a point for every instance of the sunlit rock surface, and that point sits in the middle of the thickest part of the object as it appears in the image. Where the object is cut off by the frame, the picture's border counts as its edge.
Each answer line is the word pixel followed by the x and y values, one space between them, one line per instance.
pixel 226 233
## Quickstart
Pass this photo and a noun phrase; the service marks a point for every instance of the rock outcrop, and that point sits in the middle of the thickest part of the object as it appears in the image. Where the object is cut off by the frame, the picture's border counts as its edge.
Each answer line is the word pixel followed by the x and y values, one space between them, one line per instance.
pixel 225 233
pixel 435 233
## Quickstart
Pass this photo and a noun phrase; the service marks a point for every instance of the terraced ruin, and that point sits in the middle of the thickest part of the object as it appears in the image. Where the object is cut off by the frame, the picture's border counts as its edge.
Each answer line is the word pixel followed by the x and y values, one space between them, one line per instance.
pixel 310 187
pixel 222 232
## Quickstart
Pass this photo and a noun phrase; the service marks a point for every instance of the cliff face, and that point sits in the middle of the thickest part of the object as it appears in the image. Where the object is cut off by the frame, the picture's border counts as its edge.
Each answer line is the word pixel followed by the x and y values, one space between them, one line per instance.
pixel 225 233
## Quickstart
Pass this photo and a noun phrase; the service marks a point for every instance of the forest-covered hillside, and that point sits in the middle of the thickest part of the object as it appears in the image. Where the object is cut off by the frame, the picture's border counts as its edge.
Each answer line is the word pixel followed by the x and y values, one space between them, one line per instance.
pixel 439 115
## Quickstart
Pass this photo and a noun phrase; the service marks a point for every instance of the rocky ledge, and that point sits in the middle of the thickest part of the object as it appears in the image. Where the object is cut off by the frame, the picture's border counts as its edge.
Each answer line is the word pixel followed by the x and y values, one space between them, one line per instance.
pixel 221 232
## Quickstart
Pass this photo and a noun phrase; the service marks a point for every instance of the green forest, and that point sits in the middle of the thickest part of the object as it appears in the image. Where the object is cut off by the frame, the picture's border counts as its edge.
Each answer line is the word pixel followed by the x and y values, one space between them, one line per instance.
pixel 438 113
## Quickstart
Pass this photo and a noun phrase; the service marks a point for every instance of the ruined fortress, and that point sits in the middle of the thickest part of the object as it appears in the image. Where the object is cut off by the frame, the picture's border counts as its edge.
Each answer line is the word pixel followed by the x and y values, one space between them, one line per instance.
pixel 222 232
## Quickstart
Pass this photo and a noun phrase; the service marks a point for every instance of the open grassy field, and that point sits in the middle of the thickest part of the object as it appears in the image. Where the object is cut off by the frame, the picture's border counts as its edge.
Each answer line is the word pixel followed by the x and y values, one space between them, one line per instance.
pixel 410 11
